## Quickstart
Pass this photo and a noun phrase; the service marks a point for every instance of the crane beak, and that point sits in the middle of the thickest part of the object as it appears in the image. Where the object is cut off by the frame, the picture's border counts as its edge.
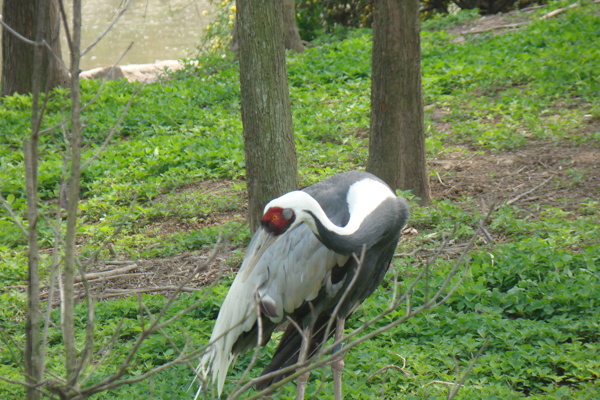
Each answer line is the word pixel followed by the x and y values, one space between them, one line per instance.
pixel 260 242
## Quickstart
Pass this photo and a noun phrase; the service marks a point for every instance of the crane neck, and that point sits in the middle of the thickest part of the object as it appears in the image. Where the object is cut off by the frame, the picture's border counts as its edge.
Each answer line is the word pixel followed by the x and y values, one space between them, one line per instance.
pixel 363 199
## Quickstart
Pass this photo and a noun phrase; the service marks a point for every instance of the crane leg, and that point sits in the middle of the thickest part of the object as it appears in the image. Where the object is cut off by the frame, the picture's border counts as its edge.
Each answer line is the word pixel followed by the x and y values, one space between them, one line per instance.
pixel 302 379
pixel 338 363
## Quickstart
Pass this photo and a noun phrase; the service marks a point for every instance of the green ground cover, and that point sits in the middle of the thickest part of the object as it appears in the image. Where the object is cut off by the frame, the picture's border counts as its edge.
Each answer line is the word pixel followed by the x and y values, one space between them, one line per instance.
pixel 534 295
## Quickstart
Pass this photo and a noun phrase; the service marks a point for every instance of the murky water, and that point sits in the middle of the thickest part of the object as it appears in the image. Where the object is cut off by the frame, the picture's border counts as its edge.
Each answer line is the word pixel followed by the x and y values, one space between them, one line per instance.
pixel 159 30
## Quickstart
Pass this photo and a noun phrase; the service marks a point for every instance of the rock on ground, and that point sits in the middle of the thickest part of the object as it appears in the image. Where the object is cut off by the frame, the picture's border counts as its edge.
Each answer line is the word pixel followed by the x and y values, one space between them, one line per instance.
pixel 134 73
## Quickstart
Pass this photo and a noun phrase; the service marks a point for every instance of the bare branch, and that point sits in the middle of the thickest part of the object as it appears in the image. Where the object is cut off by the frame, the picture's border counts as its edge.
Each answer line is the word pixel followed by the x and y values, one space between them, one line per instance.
pixel 65 121
pixel 461 382
pixel 155 325
pixel 108 28
pixel 507 26
pixel 12 214
pixel 67 292
pixel 325 356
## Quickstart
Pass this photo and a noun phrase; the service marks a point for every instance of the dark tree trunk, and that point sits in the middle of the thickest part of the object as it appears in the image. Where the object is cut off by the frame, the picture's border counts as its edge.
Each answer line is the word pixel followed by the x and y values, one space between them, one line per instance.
pixel 266 112
pixel 291 34
pixel 17 55
pixel 292 39
pixel 397 137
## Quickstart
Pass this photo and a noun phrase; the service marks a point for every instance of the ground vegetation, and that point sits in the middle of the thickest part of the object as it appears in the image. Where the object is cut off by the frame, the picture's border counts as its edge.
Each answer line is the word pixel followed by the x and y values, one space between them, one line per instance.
pixel 512 120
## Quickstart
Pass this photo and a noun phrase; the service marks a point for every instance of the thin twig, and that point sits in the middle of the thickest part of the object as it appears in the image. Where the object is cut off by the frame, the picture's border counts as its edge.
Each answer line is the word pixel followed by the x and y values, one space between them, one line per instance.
pixel 460 383
pixel 108 28
pixel 392 366
pixel 435 301
pixel 113 129
pixel 12 214
pixel 520 196
pixel 65 121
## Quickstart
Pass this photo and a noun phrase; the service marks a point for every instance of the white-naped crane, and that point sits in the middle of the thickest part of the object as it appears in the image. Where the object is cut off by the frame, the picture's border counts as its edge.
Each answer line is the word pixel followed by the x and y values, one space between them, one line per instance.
pixel 302 264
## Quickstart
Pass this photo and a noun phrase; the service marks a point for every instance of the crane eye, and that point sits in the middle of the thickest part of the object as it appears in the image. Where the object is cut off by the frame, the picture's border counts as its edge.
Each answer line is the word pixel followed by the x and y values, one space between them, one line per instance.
pixel 287 214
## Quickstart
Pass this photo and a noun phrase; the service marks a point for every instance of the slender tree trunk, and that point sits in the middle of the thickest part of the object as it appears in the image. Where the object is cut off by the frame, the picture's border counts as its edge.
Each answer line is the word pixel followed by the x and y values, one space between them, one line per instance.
pixel 266 111
pixel 17 54
pixel 397 137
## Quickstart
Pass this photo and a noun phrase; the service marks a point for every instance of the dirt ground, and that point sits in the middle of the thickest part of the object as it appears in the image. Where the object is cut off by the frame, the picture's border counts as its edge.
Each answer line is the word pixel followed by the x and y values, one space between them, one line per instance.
pixel 544 173
pixel 538 175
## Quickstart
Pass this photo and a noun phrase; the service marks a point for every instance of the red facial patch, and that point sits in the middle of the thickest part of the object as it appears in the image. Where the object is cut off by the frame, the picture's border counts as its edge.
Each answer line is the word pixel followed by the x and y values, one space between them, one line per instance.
pixel 274 222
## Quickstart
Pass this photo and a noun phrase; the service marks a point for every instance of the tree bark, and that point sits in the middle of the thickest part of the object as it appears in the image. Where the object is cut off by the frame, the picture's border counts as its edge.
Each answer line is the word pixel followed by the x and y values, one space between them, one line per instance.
pixel 397 137
pixel 17 54
pixel 266 112
pixel 292 39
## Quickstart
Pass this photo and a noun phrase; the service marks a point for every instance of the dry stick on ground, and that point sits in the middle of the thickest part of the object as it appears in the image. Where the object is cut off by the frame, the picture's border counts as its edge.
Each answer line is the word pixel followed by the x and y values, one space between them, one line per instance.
pixel 493 28
pixel 105 274
pixel 82 277
pixel 518 24
pixel 125 292
pixel 391 366
pixel 520 196
pixel 560 11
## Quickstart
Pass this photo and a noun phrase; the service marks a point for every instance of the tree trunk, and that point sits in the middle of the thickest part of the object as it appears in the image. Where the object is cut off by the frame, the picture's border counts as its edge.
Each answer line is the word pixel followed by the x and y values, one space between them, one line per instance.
pixel 292 39
pixel 17 55
pixel 266 111
pixel 397 137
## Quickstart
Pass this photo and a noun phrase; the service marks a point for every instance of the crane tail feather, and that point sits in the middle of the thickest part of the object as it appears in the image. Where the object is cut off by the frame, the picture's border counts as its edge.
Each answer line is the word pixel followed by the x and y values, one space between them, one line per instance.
pixel 233 320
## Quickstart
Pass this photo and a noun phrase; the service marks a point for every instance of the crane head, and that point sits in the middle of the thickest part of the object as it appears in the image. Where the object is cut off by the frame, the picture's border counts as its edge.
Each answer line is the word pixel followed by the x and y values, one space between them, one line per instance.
pixel 277 220
pixel 280 215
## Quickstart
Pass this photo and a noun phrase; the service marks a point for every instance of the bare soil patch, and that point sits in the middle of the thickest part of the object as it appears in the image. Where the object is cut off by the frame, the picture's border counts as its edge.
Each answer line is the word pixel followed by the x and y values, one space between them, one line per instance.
pixel 559 175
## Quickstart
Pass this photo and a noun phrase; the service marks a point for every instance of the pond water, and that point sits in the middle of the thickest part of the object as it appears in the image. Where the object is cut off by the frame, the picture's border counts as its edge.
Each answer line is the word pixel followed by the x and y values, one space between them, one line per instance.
pixel 159 29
